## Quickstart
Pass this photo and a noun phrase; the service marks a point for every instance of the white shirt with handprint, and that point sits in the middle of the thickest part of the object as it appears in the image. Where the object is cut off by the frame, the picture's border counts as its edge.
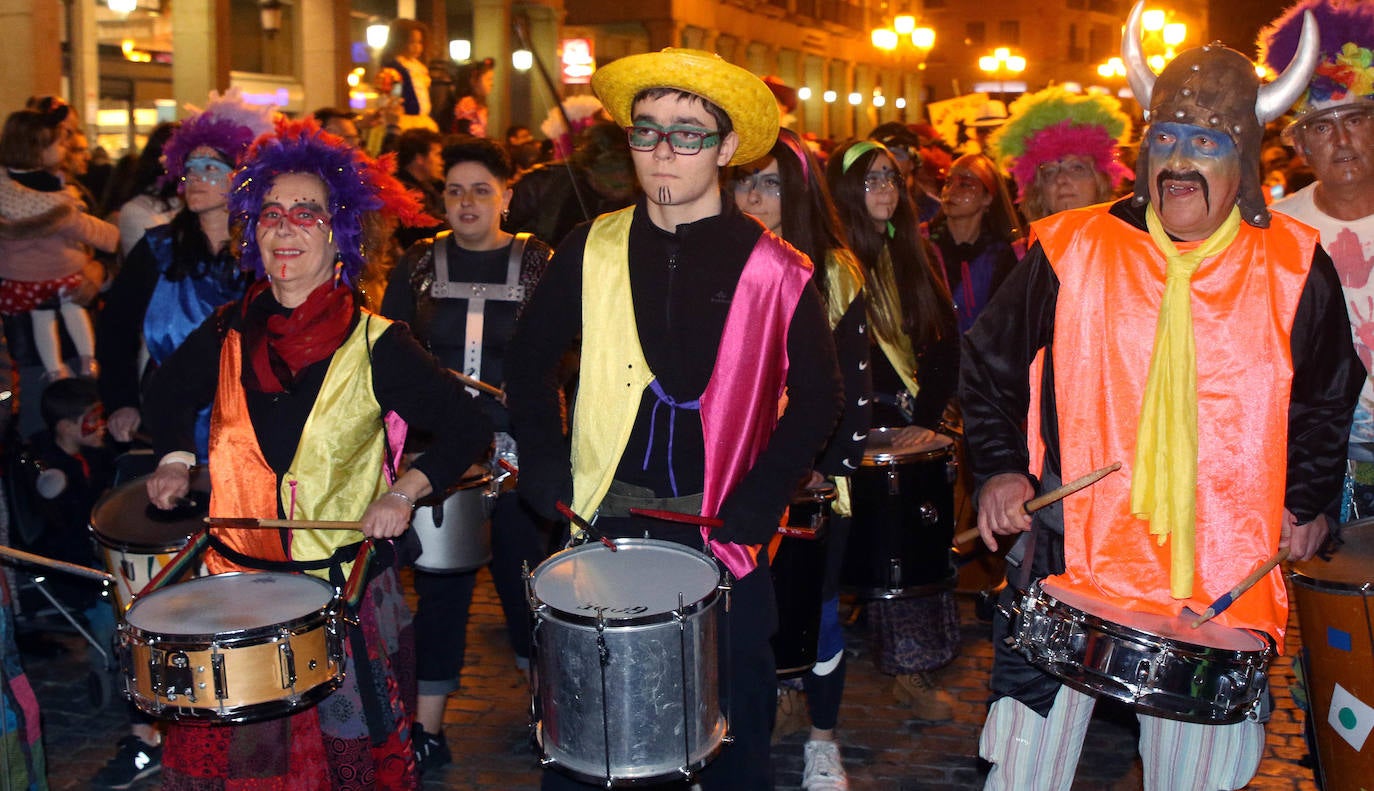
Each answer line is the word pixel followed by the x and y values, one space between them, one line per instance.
pixel 1350 243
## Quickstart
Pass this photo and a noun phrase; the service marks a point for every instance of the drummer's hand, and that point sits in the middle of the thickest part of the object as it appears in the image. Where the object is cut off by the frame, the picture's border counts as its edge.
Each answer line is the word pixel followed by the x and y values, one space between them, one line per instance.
pixel 1000 507
pixel 1302 541
pixel 123 422
pixel 387 517
pixel 168 483
pixel 813 480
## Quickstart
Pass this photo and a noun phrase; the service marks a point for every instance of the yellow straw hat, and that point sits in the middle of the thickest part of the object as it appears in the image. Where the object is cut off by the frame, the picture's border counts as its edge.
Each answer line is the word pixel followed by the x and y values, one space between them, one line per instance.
pixel 744 97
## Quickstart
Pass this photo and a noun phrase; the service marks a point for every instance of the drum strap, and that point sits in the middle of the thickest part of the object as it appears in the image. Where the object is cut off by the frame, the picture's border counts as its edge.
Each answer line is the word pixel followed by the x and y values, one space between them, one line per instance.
pixel 1047 527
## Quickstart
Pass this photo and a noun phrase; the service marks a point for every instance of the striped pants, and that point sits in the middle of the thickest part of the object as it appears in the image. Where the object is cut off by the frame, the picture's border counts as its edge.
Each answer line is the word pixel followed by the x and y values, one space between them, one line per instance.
pixel 1033 753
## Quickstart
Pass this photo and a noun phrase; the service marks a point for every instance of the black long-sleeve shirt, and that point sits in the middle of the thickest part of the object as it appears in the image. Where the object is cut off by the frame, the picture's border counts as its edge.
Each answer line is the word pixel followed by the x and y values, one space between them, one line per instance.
pixel 682 284
pixel 1019 321
pixel 405 379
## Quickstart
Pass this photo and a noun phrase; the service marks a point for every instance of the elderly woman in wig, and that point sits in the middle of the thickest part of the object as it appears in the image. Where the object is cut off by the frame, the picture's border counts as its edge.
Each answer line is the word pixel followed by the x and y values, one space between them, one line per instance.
pixel 307 387
pixel 1061 148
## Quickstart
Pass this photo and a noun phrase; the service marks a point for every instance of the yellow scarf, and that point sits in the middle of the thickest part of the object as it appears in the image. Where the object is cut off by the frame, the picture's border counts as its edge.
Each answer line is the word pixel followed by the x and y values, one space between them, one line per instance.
pixel 1164 482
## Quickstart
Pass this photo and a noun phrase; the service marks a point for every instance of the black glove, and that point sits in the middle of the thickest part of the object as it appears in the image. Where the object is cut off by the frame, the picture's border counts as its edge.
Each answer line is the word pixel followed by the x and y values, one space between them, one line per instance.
pixel 746 522
pixel 543 483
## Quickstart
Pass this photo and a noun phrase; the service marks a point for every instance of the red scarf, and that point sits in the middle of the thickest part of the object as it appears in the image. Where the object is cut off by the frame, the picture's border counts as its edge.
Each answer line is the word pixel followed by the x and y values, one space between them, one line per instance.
pixel 281 345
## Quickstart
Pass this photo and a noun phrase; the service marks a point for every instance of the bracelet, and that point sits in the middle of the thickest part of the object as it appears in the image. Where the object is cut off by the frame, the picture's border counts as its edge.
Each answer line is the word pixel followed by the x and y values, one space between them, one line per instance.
pixel 403 496
pixel 179 457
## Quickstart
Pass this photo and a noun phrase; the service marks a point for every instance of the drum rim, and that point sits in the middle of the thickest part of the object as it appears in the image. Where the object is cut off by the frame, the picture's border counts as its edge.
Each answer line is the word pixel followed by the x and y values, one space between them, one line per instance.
pixel 199 475
pixel 890 459
pixel 1266 646
pixel 718 736
pixel 138 549
pixel 329 610
pixel 1362 589
pixel 252 712
pixel 539 607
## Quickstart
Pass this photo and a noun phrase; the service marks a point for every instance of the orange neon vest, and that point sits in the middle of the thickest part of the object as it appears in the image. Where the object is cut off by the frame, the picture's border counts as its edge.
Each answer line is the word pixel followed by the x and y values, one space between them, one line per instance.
pixel 337 468
pixel 1111 282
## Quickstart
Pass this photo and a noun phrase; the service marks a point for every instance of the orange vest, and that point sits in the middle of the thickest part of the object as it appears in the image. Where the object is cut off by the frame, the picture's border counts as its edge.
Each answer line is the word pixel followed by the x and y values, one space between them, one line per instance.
pixel 1111 282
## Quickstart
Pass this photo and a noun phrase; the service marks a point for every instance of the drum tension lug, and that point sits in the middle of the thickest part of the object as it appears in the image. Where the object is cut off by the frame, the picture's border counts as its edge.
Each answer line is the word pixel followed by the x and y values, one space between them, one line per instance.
pixel 217 671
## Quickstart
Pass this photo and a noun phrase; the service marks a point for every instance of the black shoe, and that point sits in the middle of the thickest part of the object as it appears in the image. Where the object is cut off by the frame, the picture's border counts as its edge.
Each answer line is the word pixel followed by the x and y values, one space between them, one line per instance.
pixel 431 751
pixel 132 762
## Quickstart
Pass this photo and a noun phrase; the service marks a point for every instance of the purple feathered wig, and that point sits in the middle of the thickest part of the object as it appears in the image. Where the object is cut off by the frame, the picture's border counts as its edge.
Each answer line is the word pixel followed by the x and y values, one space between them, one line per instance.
pixel 227 124
pixel 1345 73
pixel 364 198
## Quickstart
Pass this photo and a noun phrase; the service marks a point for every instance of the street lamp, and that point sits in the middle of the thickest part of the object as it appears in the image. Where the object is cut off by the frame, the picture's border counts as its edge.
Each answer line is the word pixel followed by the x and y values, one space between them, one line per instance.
pixel 902 33
pixel 1000 63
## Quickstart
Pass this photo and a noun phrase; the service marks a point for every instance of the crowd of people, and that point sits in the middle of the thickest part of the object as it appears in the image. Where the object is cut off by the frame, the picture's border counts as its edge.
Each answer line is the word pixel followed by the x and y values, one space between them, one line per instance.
pixel 686 306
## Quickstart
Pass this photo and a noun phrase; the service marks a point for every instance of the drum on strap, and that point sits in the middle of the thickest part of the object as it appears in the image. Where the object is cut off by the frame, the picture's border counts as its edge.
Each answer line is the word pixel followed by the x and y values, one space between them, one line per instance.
pixel 626 679
pixel 903 502
pixel 1158 664
pixel 798 571
pixel 136 539
pixel 454 527
pixel 232 648
pixel 1335 600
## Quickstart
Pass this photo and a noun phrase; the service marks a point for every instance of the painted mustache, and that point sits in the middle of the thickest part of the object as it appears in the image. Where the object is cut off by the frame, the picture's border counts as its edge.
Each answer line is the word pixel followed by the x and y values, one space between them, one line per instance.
pixel 1184 175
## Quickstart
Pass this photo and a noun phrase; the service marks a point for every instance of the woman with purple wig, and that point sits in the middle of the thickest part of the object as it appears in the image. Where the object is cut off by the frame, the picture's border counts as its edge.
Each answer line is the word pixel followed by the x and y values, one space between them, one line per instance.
pixel 312 395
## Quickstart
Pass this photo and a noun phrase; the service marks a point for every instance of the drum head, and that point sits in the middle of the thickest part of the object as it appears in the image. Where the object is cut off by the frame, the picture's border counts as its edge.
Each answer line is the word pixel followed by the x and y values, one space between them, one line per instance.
pixel 1352 565
pixel 1178 629
pixel 124 518
pixel 229 603
pixel 641 580
pixel 904 444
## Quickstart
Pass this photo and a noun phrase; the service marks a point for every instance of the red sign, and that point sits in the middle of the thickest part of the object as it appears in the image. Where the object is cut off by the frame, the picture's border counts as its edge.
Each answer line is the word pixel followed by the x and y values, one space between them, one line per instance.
pixel 578 61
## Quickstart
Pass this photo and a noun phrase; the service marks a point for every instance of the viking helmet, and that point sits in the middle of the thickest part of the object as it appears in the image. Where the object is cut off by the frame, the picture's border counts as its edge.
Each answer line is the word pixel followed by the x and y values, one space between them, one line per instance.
pixel 1216 88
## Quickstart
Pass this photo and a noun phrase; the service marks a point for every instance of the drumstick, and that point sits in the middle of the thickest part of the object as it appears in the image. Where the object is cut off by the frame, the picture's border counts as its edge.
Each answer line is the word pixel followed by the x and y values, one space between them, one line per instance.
pixel 248 523
pixel 60 565
pixel 712 522
pixel 478 384
pixel 1219 606
pixel 585 525
pixel 1049 498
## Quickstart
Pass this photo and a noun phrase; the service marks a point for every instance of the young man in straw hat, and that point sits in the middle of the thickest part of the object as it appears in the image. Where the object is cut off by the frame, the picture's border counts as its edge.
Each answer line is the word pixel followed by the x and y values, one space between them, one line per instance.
pixel 1172 331
pixel 691 321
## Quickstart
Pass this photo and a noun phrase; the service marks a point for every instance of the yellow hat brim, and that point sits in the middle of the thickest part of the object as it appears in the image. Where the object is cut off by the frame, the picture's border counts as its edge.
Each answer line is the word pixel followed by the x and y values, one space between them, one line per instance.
pixel 743 96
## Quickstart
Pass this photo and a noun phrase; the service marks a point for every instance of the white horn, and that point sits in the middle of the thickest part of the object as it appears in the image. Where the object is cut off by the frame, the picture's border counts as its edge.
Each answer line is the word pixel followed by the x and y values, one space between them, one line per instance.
pixel 1138 72
pixel 1275 98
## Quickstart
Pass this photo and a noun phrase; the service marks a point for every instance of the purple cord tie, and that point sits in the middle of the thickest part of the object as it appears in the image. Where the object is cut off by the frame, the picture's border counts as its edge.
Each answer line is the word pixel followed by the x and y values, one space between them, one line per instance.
pixel 664 398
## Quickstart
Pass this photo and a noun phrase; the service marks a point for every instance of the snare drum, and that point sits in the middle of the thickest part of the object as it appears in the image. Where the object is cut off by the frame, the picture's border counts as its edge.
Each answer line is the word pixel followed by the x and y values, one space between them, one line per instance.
pixel 1336 608
pixel 455 528
pixel 626 679
pixel 903 502
pixel 1159 665
pixel 798 571
pixel 233 648
pixel 136 539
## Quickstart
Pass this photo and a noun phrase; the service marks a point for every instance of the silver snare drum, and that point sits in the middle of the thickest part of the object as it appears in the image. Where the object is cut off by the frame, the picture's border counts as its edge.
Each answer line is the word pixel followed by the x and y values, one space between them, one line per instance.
pixel 455 528
pixel 1157 664
pixel 626 684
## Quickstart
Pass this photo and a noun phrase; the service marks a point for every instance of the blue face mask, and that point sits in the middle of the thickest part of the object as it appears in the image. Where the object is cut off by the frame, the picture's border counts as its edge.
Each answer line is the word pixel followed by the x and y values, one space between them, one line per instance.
pixel 206 169
pixel 1183 152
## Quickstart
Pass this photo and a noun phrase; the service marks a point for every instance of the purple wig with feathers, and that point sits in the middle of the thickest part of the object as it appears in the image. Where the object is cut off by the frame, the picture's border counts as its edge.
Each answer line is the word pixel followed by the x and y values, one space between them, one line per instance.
pixel 361 190
pixel 1345 73
pixel 227 124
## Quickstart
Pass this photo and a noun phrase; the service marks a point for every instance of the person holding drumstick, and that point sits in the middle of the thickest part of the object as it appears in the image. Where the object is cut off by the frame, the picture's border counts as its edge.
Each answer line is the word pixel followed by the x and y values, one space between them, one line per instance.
pixel 691 319
pixel 915 341
pixel 472 271
pixel 1166 331
pixel 306 386
pixel 786 191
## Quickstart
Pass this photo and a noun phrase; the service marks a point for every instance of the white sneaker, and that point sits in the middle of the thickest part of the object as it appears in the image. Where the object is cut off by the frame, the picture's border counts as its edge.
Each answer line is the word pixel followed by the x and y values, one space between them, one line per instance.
pixel 824 771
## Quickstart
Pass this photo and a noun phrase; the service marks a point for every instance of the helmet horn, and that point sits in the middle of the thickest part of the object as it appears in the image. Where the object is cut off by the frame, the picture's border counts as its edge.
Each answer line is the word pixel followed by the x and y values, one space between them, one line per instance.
pixel 1138 72
pixel 1275 98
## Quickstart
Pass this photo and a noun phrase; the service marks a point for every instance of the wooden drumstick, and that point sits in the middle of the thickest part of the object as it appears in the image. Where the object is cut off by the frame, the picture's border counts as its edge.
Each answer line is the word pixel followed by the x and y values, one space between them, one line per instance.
pixel 804 533
pixel 248 523
pixel 1219 606
pixel 1049 498
pixel 586 526
pixel 478 384
pixel 59 565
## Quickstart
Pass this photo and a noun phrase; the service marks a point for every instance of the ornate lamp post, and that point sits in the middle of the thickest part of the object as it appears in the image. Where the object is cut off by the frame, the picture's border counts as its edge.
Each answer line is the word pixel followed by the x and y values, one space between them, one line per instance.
pixel 901 35
pixel 999 64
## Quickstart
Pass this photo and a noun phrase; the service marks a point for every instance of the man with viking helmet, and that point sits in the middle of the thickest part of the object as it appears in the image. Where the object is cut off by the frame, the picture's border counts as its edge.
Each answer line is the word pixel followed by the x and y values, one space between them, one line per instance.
pixel 1200 342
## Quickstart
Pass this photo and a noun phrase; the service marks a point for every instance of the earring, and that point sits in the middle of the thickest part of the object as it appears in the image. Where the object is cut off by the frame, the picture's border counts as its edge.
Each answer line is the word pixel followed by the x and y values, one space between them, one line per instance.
pixel 338 269
pixel 505 215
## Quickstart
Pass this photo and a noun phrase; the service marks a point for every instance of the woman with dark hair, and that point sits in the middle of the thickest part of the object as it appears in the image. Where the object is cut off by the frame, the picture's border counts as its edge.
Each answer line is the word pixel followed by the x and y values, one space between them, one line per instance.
pixel 433 289
pixel 915 371
pixel 976 235
pixel 307 387
pixel 407 44
pixel 786 191
pixel 145 199
pixel 179 272
pixel 475 82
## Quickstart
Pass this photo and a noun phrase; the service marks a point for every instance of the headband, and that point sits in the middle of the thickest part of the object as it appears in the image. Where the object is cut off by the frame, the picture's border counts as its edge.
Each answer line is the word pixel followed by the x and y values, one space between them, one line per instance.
pixel 796 148
pixel 857 150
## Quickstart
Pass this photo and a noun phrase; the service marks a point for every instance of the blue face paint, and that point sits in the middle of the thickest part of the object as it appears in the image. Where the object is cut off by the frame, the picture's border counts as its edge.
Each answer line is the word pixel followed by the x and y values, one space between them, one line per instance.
pixel 1189 162
pixel 1188 143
